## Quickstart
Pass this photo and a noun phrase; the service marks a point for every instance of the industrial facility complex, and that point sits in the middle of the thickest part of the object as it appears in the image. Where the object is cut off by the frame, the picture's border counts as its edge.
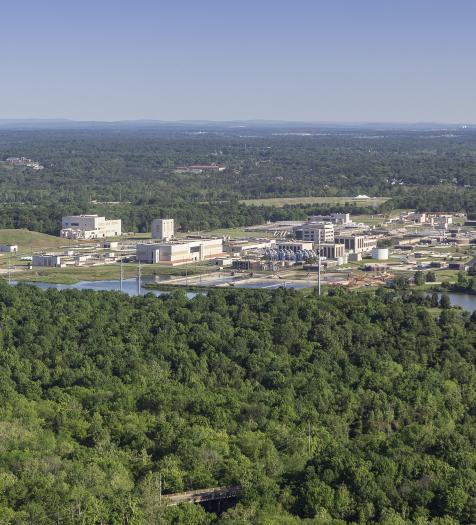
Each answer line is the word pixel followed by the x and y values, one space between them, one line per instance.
pixel 334 247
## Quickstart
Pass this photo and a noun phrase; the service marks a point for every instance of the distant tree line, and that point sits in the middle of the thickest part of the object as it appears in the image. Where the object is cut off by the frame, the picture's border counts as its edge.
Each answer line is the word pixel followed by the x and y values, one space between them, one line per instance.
pixel 136 168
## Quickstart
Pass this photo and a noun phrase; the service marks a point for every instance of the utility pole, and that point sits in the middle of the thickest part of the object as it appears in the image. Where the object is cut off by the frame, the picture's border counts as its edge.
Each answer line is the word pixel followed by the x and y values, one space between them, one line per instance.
pixel 319 264
pixel 309 438
pixel 121 276
pixel 138 278
pixel 9 269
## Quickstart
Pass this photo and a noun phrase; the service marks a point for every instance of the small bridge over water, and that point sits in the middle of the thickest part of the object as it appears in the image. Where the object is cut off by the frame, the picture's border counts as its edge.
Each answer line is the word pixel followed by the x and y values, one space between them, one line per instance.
pixel 214 494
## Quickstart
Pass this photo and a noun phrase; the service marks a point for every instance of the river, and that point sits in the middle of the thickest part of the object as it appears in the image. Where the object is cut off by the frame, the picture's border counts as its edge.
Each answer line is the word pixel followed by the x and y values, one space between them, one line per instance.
pixel 129 286
pixel 466 301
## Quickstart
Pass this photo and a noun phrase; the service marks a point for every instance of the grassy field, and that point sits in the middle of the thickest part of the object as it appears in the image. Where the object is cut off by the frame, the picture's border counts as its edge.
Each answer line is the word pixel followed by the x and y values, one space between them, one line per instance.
pixel 27 240
pixel 279 202
pixel 71 275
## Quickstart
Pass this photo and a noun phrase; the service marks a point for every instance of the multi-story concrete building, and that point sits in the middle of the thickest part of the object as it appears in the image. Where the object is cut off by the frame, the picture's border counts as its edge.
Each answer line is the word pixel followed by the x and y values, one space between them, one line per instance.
pixel 357 243
pixel 163 229
pixel 89 227
pixel 180 252
pixel 313 231
pixel 50 261
pixel 330 250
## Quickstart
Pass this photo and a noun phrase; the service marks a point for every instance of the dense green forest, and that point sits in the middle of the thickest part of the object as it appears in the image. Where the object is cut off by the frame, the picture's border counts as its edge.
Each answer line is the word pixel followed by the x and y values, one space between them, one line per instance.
pixel 351 408
pixel 433 170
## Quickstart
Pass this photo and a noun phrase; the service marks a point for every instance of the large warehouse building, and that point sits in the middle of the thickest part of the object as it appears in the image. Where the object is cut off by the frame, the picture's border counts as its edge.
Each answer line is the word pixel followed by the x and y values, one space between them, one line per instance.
pixel 89 227
pixel 179 252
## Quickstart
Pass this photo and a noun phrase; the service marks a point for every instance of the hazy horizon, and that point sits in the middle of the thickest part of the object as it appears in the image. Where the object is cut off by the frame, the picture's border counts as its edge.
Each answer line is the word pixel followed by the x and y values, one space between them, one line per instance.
pixel 236 121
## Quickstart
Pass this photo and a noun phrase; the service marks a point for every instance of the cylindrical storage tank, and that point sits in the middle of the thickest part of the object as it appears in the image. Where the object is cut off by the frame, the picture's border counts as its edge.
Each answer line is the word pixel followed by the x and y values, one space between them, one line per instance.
pixel 380 253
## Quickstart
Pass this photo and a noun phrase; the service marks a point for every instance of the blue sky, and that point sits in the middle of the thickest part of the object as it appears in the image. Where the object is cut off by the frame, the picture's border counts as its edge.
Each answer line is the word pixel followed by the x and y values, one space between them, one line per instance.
pixel 312 60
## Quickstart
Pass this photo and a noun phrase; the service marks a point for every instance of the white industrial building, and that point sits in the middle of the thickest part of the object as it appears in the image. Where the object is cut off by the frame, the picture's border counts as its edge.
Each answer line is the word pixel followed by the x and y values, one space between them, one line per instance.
pixel 50 261
pixel 357 243
pixel 89 227
pixel 315 231
pixel 8 248
pixel 163 229
pixel 179 252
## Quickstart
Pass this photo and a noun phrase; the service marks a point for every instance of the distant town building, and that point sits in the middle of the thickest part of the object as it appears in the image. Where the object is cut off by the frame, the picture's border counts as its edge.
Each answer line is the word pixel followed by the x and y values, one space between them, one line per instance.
pixel 199 168
pixel 23 161
pixel 182 252
pixel 89 227
pixel 163 229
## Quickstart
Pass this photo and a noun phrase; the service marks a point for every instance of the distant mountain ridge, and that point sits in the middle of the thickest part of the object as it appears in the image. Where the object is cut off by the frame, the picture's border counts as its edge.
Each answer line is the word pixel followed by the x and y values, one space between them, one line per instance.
pixel 253 123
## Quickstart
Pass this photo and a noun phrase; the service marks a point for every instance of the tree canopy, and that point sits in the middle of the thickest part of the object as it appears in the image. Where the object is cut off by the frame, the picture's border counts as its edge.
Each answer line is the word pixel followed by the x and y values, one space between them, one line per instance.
pixel 352 408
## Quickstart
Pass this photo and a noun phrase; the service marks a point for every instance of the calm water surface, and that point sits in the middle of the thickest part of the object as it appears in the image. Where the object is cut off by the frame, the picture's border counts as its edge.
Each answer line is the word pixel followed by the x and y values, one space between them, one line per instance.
pixel 466 301
pixel 129 286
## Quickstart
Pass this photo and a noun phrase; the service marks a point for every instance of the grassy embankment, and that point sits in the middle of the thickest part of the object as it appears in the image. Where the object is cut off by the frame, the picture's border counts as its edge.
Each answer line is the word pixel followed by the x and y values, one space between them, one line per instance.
pixel 72 274
pixel 28 241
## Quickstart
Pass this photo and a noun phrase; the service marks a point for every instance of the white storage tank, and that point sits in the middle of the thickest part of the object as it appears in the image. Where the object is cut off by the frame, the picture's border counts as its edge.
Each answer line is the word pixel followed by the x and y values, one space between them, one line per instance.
pixel 342 260
pixel 380 254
